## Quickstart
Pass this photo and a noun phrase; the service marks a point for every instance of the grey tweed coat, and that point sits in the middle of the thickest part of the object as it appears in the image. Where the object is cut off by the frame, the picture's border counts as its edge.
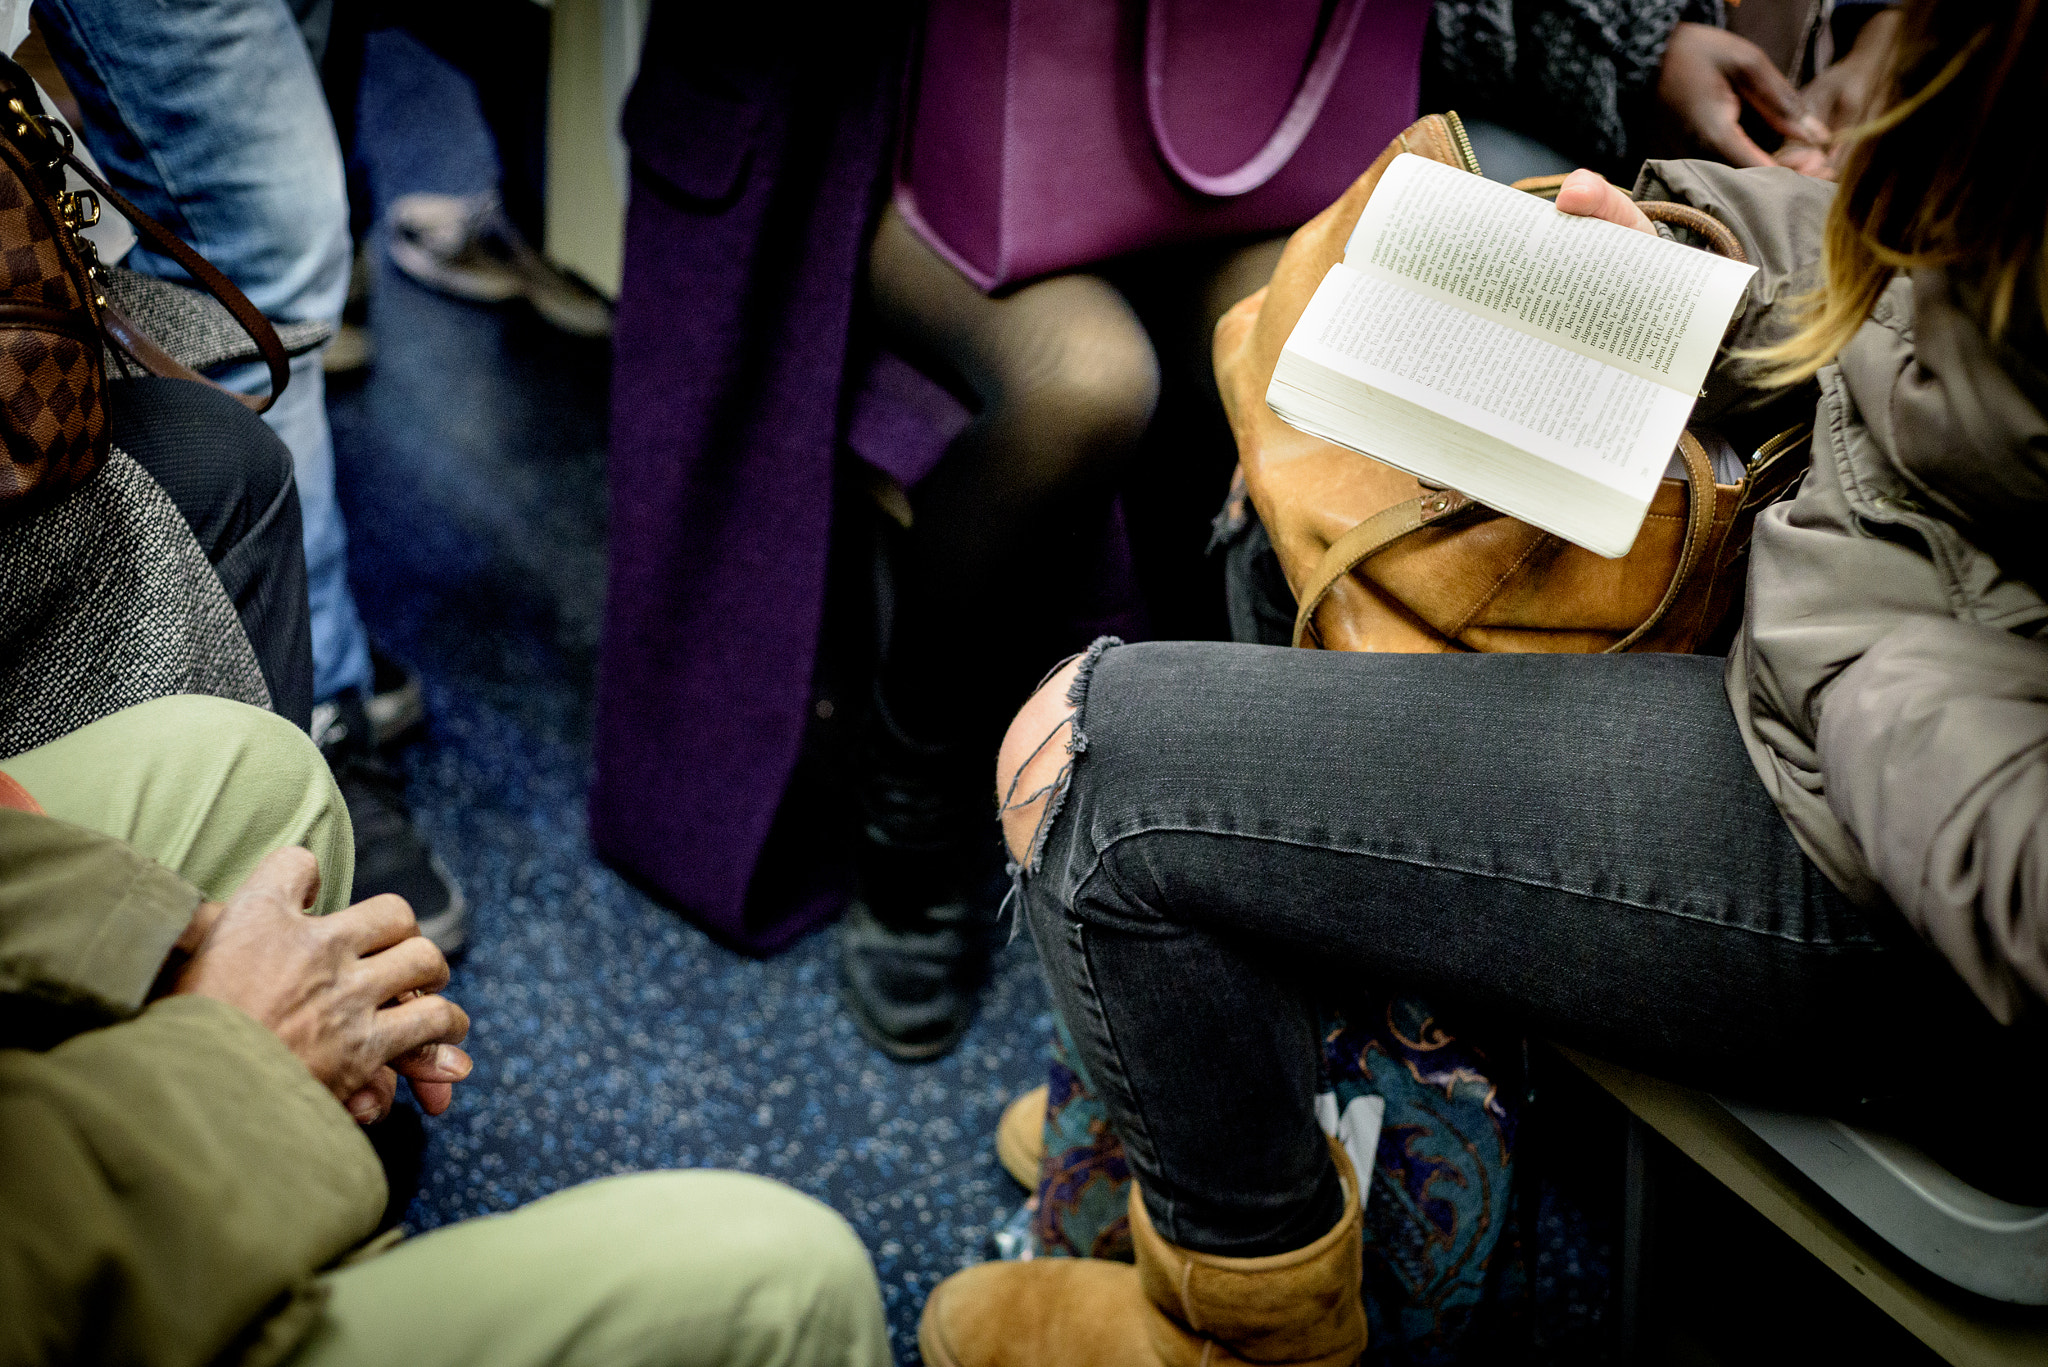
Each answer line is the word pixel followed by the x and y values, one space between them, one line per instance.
pixel 106 600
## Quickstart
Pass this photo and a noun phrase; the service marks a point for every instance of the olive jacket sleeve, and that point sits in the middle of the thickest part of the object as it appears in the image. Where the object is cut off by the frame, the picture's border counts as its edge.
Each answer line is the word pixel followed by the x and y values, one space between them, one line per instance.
pixel 171 1176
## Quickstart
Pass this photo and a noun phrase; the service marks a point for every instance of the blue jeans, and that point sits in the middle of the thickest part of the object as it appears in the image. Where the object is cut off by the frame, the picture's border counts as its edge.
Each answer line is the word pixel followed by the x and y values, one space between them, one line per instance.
pixel 209 115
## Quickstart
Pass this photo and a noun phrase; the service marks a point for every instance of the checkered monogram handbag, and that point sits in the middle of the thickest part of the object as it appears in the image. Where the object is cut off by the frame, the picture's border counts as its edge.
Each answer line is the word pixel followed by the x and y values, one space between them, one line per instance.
pixel 56 326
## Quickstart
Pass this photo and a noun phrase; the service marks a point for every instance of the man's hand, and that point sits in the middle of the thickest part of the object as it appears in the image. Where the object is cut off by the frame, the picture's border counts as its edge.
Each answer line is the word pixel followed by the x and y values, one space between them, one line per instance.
pixel 1587 194
pixel 1707 77
pixel 352 994
pixel 1847 93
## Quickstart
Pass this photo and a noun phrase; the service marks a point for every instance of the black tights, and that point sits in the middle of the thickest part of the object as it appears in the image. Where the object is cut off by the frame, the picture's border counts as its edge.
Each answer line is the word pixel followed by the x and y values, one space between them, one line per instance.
pixel 1009 533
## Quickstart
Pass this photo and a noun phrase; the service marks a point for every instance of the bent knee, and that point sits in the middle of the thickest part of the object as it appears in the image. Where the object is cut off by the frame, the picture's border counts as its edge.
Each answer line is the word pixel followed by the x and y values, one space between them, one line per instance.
pixel 203 785
pixel 1091 391
pixel 220 464
pixel 1034 761
pixel 269 787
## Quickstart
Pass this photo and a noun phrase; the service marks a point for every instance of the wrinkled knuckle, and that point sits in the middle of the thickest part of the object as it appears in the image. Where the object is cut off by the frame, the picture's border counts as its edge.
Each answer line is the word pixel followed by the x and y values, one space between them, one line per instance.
pixel 390 904
pixel 434 965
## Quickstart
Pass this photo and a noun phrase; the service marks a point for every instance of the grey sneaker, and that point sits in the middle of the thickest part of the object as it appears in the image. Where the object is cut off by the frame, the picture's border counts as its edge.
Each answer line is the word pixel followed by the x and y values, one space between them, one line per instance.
pixel 445 243
pixel 464 246
pixel 390 855
pixel 397 705
pixel 352 349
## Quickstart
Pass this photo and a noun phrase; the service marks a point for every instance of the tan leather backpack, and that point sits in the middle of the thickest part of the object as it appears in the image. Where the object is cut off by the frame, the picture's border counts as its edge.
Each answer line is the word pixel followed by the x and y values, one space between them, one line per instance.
pixel 1379 561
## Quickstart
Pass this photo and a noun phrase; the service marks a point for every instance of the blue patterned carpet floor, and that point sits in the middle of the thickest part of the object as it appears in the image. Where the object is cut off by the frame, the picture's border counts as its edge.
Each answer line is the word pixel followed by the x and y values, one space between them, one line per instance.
pixel 610 1035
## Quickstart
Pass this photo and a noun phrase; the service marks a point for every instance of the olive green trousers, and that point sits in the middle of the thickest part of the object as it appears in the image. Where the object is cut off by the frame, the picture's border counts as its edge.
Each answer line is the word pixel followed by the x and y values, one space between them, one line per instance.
pixel 693 1269
pixel 204 786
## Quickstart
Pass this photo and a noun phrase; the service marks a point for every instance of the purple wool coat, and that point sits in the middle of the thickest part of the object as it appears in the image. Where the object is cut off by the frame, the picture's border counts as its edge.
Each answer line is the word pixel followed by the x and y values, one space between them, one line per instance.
pixel 760 154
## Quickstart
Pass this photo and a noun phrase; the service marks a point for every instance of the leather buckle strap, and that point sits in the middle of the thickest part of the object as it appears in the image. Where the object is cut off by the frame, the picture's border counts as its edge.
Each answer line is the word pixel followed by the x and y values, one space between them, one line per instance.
pixel 1372 536
pixel 123 332
pixel 1389 525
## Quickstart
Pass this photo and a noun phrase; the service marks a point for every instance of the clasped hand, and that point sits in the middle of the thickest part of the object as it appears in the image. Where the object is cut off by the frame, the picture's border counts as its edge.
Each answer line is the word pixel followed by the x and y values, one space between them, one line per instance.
pixel 1709 74
pixel 354 995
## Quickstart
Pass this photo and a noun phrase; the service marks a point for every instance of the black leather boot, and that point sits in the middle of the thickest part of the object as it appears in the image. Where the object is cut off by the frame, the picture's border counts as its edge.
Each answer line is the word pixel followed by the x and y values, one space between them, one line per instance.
pixel 914 945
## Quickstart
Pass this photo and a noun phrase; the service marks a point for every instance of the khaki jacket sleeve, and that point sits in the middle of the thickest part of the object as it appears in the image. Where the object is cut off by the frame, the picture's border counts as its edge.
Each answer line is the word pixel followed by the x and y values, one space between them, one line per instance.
pixel 1935 744
pixel 86 923
pixel 1778 216
pixel 170 1184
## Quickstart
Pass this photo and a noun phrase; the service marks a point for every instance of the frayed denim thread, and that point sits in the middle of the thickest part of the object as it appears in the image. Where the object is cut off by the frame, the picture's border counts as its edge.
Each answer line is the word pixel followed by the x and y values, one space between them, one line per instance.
pixel 1054 792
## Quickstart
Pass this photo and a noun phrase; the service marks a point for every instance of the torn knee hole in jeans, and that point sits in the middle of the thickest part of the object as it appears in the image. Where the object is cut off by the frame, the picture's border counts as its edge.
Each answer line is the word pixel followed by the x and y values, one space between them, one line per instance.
pixel 1052 793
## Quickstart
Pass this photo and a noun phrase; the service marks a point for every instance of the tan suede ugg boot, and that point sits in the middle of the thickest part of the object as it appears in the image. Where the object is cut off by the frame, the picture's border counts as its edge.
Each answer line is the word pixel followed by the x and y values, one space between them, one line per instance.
pixel 1174 1309
pixel 1020 1136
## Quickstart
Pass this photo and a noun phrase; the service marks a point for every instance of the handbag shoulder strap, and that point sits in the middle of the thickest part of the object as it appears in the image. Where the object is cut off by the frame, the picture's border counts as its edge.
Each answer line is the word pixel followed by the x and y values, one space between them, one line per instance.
pixel 56 147
pixel 204 274
pixel 1721 239
pixel 1318 78
pixel 1389 525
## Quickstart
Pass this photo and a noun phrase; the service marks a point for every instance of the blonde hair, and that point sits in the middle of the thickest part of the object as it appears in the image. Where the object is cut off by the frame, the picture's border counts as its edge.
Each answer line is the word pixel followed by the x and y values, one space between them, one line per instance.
pixel 1951 174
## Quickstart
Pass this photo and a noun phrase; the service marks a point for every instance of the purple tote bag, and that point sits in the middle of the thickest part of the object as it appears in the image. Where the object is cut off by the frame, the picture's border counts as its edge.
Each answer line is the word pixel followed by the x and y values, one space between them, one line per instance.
pixel 1048 134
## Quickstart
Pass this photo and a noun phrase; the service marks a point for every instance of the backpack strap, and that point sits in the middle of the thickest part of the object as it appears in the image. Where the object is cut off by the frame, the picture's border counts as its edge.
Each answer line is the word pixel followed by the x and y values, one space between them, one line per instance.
pixel 1440 506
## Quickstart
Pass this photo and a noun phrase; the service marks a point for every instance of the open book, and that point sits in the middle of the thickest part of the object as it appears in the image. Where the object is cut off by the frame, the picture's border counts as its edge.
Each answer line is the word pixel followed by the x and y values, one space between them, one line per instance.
pixel 1539 363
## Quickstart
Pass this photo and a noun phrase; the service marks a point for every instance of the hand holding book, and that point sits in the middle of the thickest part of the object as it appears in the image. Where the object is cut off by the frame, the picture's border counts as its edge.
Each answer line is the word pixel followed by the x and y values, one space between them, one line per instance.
pixel 1542 363
pixel 1588 194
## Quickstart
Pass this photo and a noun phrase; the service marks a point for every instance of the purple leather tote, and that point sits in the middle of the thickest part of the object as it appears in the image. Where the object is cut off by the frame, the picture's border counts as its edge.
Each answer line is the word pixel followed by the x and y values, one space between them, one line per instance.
pixel 1049 134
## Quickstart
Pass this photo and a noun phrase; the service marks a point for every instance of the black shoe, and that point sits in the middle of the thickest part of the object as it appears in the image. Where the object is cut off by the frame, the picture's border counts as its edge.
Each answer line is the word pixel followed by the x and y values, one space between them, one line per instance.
pixel 913 990
pixel 397 705
pixel 914 949
pixel 390 856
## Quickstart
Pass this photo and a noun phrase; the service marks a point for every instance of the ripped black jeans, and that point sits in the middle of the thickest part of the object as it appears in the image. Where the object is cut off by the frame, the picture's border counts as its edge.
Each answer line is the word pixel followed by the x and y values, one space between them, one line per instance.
pixel 1573 846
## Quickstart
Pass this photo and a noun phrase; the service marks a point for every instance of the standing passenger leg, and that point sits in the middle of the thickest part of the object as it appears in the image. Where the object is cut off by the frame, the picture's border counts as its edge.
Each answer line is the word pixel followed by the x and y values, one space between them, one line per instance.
pixel 210 116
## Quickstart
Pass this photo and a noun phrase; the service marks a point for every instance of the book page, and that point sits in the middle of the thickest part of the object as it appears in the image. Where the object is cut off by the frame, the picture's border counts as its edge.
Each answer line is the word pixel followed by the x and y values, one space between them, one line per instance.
pixel 1594 419
pixel 1654 308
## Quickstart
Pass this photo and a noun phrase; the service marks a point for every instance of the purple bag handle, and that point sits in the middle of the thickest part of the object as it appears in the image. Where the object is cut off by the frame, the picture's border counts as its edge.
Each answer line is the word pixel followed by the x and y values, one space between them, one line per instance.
pixel 1316 84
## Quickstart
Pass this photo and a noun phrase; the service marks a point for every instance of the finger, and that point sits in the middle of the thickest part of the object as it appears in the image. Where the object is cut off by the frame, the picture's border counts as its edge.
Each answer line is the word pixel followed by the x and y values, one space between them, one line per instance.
pixel 435 1063
pixel 434 1097
pixel 290 875
pixel 1587 194
pixel 423 1020
pixel 413 965
pixel 1767 91
pixel 1727 140
pixel 373 1101
pixel 378 923
pixel 1244 310
pixel 1807 160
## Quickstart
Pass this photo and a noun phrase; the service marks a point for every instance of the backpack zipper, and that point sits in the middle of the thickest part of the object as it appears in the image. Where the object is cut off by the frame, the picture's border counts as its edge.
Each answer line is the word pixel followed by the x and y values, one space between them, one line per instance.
pixel 1462 140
